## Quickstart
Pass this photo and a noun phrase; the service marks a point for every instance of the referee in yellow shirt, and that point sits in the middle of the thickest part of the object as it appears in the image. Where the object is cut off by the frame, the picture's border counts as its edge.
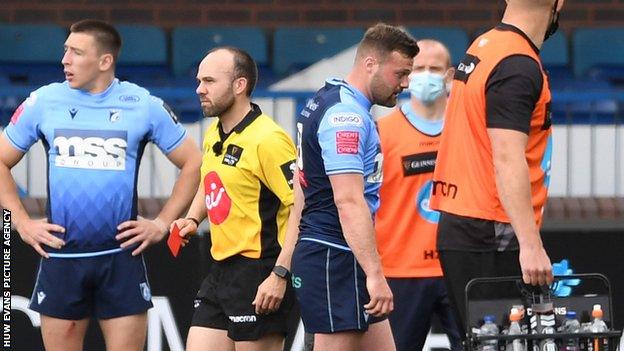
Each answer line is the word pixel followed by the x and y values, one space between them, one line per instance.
pixel 246 192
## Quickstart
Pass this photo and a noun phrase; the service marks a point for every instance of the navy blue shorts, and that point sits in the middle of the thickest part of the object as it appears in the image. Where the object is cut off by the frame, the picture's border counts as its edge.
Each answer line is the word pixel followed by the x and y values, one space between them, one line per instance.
pixel 416 300
pixel 331 288
pixel 103 287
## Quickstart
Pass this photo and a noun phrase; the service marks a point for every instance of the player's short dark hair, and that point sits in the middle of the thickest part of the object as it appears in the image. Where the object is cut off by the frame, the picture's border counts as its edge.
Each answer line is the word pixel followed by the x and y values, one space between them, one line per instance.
pixel 384 39
pixel 244 66
pixel 106 36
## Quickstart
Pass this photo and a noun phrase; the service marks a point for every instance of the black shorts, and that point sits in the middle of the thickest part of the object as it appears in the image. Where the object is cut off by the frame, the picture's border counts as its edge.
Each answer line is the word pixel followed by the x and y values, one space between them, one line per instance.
pixel 225 296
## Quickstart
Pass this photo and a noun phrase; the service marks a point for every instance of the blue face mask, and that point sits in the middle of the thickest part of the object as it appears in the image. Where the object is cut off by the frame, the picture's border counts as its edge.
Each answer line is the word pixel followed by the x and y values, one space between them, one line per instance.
pixel 426 87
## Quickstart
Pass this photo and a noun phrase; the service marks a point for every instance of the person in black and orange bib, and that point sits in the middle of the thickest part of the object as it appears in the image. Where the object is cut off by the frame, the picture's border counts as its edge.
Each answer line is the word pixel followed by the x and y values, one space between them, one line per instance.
pixel 405 225
pixel 246 191
pixel 493 167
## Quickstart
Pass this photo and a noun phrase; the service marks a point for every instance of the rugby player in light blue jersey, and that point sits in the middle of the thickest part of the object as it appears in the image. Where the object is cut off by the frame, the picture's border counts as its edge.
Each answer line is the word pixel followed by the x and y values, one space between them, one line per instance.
pixel 94 129
pixel 336 270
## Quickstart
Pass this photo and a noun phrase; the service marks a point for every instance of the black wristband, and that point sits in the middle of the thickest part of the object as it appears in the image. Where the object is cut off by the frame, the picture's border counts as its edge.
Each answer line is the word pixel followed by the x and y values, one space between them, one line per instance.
pixel 194 220
pixel 281 271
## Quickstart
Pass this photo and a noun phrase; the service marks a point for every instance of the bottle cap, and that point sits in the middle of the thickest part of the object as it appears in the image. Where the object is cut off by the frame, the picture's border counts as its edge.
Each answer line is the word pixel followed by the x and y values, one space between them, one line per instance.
pixel 515 316
pixel 597 312
pixel 488 318
pixel 571 315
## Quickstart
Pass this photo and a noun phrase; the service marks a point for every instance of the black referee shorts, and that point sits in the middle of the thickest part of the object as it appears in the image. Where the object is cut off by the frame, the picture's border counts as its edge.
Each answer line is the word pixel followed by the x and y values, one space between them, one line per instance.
pixel 225 296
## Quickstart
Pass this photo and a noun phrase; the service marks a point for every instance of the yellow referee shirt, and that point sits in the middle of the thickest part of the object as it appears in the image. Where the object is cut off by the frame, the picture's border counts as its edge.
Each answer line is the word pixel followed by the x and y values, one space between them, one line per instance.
pixel 247 179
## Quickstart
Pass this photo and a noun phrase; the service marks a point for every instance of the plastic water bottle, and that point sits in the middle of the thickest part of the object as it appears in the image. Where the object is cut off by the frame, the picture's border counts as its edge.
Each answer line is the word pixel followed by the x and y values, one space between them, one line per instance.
pixel 489 328
pixel 571 325
pixel 599 326
pixel 543 321
pixel 585 343
pixel 515 329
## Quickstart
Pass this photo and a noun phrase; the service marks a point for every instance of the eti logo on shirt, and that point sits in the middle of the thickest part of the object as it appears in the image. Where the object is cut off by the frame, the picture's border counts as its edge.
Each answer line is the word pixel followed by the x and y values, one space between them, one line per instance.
pixel 91 149
pixel 218 202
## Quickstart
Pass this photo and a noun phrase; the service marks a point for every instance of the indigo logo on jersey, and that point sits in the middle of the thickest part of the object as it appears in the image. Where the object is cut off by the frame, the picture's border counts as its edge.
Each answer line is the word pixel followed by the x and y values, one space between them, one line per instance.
pixel 90 149
pixel 346 119
pixel 422 204
pixel 129 98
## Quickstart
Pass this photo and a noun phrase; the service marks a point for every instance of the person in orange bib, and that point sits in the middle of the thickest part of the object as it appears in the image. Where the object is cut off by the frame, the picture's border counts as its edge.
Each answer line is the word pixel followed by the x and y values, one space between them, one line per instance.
pixel 493 168
pixel 405 225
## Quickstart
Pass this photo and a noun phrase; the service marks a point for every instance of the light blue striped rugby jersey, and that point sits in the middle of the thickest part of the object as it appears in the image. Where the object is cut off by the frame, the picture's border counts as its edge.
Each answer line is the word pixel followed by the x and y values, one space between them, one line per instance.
pixel 94 144
pixel 336 134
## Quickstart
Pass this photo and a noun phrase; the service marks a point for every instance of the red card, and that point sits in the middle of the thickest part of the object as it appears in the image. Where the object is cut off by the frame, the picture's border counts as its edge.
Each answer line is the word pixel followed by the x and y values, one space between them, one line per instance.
pixel 174 241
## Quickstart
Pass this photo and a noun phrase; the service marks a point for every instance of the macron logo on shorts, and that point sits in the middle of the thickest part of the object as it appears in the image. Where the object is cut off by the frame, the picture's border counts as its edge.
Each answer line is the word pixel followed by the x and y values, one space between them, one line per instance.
pixel 243 319
pixel 40 297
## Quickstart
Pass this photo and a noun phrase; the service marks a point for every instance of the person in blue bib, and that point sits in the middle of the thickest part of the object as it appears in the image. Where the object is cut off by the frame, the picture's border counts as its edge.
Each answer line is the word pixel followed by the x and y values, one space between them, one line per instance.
pixel 94 129
pixel 336 270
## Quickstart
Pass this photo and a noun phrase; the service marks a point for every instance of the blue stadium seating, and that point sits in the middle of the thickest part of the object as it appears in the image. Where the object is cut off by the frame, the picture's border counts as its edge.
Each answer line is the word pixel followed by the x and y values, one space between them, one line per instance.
pixel 143 58
pixel 297 47
pixel 142 45
pixel 31 57
pixel 601 49
pixel 555 55
pixel 554 51
pixel 190 44
pixel 455 38
pixel 31 53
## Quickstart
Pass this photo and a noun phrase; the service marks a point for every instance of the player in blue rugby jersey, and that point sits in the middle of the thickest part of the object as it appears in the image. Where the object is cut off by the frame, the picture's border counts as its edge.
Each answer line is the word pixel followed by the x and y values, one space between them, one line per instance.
pixel 336 270
pixel 94 129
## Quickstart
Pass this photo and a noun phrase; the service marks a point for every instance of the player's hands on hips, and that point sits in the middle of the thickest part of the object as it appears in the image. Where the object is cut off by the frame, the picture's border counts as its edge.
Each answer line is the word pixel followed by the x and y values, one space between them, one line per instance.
pixel 143 231
pixel 36 232
pixel 381 300
pixel 270 294
pixel 187 228
pixel 535 265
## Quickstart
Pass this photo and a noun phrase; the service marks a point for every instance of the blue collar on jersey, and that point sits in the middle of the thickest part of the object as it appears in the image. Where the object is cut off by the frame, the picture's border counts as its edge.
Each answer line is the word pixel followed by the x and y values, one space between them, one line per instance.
pixel 358 95
pixel 101 95
pixel 431 128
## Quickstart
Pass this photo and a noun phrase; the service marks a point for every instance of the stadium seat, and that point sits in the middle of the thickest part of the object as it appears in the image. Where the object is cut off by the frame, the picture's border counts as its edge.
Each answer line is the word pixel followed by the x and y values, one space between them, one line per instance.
pixel 555 56
pixel 31 53
pixel 601 50
pixel 297 47
pixel 555 52
pixel 143 58
pixel 454 38
pixel 142 45
pixel 586 112
pixel 190 44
